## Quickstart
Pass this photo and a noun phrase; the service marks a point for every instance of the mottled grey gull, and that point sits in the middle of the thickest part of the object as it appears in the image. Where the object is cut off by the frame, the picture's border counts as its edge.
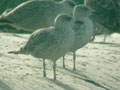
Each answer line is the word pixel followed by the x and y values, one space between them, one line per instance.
pixel 83 28
pixel 51 43
pixel 35 14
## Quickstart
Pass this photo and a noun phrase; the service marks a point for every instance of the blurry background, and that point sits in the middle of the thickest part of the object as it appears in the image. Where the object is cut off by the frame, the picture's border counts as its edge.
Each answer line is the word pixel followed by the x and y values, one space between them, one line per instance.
pixel 98 64
pixel 106 17
pixel 7 4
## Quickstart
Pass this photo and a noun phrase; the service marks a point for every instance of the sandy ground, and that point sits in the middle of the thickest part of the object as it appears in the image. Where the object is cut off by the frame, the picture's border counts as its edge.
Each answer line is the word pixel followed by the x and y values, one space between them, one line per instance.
pixel 98 67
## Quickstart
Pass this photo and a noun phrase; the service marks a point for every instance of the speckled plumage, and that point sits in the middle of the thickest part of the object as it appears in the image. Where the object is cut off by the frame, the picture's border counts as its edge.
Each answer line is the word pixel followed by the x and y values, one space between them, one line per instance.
pixel 32 15
pixel 83 33
pixel 83 28
pixel 51 43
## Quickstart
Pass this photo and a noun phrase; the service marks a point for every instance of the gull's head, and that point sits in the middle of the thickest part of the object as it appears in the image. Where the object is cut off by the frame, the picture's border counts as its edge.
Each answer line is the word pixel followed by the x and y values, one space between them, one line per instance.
pixel 68 5
pixel 63 20
pixel 81 11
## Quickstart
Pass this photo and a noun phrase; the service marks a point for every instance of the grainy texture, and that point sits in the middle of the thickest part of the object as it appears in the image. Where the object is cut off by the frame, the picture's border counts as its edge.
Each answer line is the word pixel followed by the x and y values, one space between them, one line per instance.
pixel 6 4
pixel 83 26
pixel 83 29
pixel 98 67
pixel 51 43
pixel 37 14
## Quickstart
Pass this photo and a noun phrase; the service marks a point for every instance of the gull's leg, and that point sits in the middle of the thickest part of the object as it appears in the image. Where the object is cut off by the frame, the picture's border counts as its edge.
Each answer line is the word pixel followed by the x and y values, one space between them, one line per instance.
pixel 54 69
pixel 105 36
pixel 93 36
pixel 74 59
pixel 44 68
pixel 64 61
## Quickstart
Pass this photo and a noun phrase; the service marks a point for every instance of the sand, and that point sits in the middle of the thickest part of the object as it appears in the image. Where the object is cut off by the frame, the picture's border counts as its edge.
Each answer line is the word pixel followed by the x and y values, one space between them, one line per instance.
pixel 98 67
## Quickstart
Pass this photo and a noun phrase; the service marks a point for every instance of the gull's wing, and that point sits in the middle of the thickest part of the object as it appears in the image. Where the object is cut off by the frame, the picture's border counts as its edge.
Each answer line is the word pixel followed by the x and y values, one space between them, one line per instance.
pixel 38 37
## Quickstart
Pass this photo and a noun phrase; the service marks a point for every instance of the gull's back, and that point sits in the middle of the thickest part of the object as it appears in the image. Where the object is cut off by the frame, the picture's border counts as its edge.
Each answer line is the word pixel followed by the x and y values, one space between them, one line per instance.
pixel 34 14
pixel 83 32
pixel 36 38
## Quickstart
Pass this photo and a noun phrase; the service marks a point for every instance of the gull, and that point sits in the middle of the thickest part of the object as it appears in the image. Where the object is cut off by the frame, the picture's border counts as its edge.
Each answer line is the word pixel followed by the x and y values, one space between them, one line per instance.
pixel 50 43
pixel 35 14
pixel 83 28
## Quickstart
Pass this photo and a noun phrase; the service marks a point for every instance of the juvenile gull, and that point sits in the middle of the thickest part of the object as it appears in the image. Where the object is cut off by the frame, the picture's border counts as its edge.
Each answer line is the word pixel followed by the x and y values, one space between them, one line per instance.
pixel 35 14
pixel 51 43
pixel 83 29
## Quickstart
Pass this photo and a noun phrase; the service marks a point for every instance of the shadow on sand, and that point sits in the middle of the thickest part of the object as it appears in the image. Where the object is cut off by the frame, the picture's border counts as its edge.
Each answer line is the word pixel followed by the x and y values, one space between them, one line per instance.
pixel 61 84
pixel 105 43
pixel 110 44
pixel 4 86
pixel 83 77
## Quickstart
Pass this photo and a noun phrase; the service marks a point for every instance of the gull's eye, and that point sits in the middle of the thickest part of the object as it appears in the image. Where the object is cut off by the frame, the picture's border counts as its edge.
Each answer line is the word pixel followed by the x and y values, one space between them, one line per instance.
pixel 78 22
pixel 85 8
